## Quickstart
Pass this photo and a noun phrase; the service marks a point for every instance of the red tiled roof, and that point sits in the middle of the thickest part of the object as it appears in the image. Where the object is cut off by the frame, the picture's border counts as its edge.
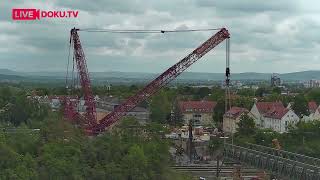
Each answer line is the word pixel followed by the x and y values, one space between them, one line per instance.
pixel 312 106
pixel 276 113
pixel 197 106
pixel 235 112
pixel 264 107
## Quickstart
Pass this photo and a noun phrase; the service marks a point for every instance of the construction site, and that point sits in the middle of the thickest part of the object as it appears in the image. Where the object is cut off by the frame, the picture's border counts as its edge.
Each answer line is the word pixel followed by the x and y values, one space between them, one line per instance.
pixel 160 90
pixel 190 151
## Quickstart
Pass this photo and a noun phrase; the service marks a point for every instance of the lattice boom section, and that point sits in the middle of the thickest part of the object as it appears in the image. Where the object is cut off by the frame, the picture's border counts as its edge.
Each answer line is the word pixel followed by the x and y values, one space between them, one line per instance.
pixel 90 115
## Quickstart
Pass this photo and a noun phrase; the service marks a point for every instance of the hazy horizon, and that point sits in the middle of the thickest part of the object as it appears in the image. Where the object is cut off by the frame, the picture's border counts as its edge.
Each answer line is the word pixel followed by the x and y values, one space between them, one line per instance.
pixel 158 72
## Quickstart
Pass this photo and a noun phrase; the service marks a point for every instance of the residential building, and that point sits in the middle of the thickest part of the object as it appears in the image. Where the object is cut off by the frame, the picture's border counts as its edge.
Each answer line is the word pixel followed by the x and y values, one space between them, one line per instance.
pixel 200 112
pixel 273 115
pixel 280 119
pixel 312 107
pixel 231 119
pixel 140 113
pixel 314 111
pixel 260 108
pixel 108 103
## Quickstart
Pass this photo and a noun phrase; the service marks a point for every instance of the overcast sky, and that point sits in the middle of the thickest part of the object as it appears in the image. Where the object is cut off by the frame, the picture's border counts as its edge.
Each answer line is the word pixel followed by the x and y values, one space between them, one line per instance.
pixel 266 36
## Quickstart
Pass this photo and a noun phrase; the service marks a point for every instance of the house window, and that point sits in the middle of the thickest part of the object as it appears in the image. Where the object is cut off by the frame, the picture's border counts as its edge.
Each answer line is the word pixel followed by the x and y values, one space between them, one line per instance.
pixel 197 115
pixel 196 122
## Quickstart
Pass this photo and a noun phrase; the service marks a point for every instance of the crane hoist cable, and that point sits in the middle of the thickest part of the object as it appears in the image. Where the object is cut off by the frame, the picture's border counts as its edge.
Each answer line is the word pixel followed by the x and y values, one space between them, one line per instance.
pixel 227 77
pixel 146 31
pixel 227 84
pixel 67 75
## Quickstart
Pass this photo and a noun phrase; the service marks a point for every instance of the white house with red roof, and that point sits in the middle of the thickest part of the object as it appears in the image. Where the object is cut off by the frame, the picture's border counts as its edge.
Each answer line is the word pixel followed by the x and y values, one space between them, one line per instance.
pixel 232 117
pixel 260 108
pixel 273 115
pixel 312 106
pixel 200 112
pixel 314 111
pixel 280 119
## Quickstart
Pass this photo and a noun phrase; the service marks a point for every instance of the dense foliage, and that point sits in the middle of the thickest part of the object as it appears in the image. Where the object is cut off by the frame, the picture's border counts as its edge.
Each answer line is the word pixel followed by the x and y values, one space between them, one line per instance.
pixel 302 138
pixel 36 143
pixel 246 125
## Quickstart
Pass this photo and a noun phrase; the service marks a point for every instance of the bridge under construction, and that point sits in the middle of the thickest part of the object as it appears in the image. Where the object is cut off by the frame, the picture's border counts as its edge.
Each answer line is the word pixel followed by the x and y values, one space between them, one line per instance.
pixel 278 162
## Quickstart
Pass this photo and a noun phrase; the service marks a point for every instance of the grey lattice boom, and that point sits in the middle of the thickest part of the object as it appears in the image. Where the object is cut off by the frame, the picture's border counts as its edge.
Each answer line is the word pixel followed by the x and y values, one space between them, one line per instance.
pixel 278 165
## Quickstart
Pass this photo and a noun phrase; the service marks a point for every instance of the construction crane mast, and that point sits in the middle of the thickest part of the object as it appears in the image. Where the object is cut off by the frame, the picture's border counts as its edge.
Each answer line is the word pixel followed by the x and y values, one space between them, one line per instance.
pixel 80 60
pixel 157 83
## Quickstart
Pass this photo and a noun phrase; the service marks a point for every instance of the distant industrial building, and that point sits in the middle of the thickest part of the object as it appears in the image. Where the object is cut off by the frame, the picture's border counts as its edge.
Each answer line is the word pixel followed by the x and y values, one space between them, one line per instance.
pixel 313 83
pixel 275 80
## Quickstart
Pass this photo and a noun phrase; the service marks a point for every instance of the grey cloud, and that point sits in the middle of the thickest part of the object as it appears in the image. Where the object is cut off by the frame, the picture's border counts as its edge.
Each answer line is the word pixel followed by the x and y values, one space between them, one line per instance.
pixel 248 6
pixel 107 6
pixel 265 35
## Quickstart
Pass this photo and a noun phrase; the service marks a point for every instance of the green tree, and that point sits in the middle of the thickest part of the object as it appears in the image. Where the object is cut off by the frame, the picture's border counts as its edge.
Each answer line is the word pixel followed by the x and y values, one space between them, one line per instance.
pixel 215 144
pixel 246 92
pixel 15 166
pixel 160 108
pixel 177 119
pixel 216 94
pixel 24 140
pixel 135 163
pixel 314 94
pixel 276 90
pixel 203 92
pixel 246 102
pixel 265 136
pixel 60 161
pixel 246 125
pixel 219 111
pixel 300 105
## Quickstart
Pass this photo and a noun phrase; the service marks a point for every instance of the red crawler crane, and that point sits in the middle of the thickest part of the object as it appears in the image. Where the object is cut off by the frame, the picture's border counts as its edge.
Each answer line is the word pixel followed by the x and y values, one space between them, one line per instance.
pixel 143 94
pixel 90 114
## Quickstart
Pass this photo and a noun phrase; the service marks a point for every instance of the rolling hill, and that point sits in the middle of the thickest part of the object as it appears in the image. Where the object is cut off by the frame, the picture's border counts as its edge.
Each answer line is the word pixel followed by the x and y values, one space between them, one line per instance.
pixel 294 76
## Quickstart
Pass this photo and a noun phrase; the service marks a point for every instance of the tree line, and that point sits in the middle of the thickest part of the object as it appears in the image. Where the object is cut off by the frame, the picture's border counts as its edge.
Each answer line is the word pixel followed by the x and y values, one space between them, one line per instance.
pixel 36 143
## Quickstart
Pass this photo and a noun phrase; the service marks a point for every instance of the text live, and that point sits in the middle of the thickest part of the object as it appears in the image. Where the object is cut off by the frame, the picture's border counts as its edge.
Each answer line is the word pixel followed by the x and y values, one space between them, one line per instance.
pixel 37 14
